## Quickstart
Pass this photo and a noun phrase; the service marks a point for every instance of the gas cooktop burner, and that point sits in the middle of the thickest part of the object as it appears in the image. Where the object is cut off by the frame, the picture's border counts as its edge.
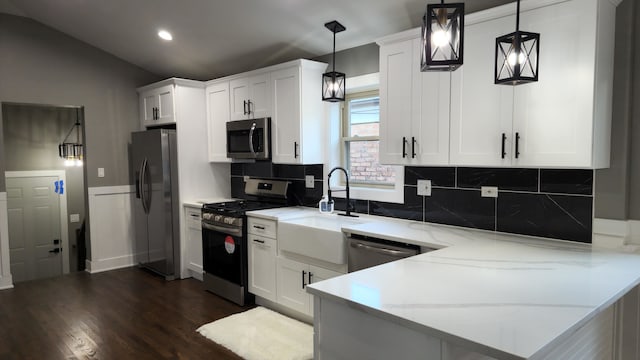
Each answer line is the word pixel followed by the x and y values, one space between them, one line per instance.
pixel 239 206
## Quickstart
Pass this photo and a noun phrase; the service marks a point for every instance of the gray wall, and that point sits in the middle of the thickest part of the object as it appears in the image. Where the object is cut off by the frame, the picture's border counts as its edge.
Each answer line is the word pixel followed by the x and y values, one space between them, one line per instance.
pixel 32 134
pixel 616 197
pixel 356 61
pixel 40 65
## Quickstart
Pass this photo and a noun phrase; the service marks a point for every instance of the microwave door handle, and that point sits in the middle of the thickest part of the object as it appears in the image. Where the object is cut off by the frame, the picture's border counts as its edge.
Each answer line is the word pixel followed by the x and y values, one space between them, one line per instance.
pixel 253 128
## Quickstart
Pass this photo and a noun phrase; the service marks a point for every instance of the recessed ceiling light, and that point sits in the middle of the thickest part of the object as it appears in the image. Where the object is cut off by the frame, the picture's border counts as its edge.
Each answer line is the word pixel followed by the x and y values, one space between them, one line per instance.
pixel 164 34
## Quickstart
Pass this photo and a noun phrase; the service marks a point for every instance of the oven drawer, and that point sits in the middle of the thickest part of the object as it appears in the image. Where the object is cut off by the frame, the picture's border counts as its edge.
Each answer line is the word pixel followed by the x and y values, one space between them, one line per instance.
pixel 264 227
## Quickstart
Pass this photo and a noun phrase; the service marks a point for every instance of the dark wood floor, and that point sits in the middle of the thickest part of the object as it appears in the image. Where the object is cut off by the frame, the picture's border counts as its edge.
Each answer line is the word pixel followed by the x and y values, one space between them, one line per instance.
pixel 122 314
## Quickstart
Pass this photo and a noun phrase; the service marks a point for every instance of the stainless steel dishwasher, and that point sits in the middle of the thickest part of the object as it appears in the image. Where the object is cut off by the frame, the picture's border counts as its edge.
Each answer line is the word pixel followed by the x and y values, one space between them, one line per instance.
pixel 366 251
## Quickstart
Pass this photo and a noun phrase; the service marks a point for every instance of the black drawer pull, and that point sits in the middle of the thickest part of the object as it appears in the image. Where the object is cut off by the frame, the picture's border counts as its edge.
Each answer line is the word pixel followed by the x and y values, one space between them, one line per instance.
pixel 504 139
pixel 258 227
pixel 258 241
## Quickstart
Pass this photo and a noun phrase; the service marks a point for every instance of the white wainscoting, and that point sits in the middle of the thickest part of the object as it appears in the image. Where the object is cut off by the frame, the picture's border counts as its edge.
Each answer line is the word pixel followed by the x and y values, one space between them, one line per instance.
pixel 6 282
pixel 618 234
pixel 111 227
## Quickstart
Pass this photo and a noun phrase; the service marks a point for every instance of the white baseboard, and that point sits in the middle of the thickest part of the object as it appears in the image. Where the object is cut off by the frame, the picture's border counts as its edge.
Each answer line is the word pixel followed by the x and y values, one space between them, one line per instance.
pixel 6 282
pixel 97 266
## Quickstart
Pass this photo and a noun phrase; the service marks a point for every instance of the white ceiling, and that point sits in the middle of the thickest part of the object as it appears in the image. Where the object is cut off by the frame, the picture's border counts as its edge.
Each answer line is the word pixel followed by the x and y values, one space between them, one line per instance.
pixel 213 38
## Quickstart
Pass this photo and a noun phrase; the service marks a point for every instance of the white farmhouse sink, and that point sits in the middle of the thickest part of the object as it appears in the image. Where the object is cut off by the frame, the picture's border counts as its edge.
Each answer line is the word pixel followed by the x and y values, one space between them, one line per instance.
pixel 317 236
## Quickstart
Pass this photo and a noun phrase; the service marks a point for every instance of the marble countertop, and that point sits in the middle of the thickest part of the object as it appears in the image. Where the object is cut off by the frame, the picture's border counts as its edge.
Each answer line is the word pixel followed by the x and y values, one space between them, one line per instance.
pixel 507 296
pixel 283 213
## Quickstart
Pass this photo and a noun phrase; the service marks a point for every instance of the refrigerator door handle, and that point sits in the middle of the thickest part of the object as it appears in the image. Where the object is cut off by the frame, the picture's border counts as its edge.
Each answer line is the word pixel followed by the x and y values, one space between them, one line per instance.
pixel 138 181
pixel 144 186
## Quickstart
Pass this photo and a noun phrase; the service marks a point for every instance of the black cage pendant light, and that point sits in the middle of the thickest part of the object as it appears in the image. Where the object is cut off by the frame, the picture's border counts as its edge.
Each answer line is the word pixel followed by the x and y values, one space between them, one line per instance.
pixel 333 82
pixel 442 37
pixel 72 152
pixel 517 56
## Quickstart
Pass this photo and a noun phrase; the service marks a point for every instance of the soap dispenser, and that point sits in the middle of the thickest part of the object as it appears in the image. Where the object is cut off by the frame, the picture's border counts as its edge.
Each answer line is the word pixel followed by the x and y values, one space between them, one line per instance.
pixel 325 205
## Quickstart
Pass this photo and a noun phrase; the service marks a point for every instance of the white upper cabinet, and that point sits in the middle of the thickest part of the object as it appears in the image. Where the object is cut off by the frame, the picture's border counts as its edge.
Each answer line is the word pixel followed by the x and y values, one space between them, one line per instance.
pixel 157 106
pixel 297 124
pixel 563 119
pixel 217 94
pixel 481 112
pixel 414 105
pixel 250 97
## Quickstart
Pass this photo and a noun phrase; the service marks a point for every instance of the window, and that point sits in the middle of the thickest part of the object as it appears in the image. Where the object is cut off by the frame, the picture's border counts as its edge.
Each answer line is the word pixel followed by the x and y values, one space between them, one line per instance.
pixel 361 141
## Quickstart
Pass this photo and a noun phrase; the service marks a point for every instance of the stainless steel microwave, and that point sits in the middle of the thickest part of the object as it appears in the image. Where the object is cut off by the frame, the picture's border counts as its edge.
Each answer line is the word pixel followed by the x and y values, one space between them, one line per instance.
pixel 249 139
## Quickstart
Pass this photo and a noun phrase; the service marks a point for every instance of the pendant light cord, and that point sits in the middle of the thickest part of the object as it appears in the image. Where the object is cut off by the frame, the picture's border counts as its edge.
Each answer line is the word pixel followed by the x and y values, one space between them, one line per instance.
pixel 518 16
pixel 334 49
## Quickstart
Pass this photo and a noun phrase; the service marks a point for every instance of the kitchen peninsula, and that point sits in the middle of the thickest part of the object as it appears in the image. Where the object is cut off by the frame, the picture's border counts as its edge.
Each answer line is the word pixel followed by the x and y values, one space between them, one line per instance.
pixel 484 296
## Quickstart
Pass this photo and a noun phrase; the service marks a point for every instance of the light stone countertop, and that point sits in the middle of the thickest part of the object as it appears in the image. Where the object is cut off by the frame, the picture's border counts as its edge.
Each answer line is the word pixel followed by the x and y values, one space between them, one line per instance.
pixel 507 296
pixel 199 202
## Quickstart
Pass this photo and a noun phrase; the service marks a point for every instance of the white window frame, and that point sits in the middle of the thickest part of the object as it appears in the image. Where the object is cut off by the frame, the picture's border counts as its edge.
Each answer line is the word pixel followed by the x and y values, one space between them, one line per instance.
pixel 393 194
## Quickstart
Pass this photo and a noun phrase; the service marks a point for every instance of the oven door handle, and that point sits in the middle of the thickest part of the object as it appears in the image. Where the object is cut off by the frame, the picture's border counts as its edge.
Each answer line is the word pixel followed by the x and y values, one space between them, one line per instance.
pixel 230 230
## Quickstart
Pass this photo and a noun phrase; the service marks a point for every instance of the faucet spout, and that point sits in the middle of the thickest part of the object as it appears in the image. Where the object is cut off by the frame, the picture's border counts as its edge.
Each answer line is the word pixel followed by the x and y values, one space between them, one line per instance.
pixel 346 175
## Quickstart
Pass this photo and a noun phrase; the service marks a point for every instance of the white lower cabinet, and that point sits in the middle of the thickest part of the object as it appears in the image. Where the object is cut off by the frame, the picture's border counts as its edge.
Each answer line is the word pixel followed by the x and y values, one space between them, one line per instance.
pixel 194 241
pixel 293 277
pixel 262 266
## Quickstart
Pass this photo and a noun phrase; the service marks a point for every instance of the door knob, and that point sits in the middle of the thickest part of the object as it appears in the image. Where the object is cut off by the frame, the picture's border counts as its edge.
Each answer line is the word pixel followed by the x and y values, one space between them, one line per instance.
pixel 55 251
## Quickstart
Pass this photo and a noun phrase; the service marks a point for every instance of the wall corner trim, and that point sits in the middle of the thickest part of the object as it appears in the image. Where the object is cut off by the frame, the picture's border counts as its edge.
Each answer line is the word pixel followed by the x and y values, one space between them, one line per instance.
pixel 613 233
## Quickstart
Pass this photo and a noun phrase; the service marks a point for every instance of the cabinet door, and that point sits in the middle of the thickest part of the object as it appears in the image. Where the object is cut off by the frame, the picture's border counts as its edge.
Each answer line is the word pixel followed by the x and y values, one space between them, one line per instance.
pixel 285 122
pixel 238 97
pixel 292 280
pixel 217 118
pixel 166 105
pixel 260 96
pixel 317 274
pixel 554 122
pixel 194 240
pixel 148 104
pixel 480 110
pixel 262 267
pixel 396 73
pixel 430 114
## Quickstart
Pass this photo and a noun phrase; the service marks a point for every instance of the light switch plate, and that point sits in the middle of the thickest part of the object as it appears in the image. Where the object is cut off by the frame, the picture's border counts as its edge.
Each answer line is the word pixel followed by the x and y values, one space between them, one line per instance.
pixel 74 218
pixel 424 187
pixel 100 172
pixel 309 181
pixel 245 178
pixel 489 191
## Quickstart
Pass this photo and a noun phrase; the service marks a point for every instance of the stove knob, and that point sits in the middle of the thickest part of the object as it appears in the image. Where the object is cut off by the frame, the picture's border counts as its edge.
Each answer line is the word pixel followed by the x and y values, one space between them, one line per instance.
pixel 206 216
pixel 218 218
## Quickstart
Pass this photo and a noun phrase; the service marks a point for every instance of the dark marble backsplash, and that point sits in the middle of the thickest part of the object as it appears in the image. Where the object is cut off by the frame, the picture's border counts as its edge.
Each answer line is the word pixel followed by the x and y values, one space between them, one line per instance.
pixel 553 203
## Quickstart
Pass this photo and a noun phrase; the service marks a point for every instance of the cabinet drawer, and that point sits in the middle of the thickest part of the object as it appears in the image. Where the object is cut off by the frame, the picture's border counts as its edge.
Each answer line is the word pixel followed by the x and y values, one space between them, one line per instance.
pixel 193 218
pixel 261 227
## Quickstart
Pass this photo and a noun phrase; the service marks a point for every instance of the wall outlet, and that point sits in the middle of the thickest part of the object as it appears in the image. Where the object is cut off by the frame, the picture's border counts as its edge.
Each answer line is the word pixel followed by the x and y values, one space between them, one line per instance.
pixel 74 218
pixel 489 191
pixel 100 172
pixel 309 181
pixel 245 178
pixel 424 187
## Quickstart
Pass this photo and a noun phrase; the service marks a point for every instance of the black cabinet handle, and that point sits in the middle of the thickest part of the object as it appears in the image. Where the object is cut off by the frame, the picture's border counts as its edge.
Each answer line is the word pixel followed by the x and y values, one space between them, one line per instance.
pixel 517 145
pixel 310 276
pixel 413 147
pixel 244 107
pixel 259 241
pixel 404 147
pixel 249 107
pixel 303 274
pixel 258 227
pixel 295 149
pixel 504 139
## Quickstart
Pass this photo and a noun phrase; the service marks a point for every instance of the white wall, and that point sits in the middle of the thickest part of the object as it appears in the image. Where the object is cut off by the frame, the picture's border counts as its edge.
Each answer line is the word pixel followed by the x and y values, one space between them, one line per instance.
pixel 5 270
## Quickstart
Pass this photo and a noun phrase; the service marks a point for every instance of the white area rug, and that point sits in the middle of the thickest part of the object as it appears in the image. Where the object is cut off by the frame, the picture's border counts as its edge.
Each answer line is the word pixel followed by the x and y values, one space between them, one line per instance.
pixel 262 334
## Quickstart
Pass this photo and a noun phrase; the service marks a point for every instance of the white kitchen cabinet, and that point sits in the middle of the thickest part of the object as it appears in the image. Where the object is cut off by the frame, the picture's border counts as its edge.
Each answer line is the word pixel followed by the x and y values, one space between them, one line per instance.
pixel 262 266
pixel 564 119
pixel 193 242
pixel 414 105
pixel 293 277
pixel 157 106
pixel 217 94
pixel 249 97
pixel 262 252
pixel 297 122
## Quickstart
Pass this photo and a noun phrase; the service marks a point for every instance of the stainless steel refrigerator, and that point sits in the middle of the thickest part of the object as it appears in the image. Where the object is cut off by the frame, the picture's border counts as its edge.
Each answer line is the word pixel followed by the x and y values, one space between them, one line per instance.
pixel 156 214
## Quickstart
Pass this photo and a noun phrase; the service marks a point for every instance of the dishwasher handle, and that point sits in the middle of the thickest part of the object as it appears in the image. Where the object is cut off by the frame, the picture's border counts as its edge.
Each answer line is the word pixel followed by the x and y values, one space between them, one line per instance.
pixel 383 250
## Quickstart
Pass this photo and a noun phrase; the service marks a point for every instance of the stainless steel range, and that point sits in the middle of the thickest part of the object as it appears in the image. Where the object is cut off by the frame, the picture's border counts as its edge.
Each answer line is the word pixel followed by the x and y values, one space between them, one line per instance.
pixel 224 238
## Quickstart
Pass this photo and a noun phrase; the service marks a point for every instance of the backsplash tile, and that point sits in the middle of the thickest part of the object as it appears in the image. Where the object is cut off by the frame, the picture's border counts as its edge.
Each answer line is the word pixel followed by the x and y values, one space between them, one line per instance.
pixel 554 216
pixel 460 207
pixel 566 181
pixel 439 176
pixel 412 209
pixel 504 179
pixel 295 174
pixel 554 203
